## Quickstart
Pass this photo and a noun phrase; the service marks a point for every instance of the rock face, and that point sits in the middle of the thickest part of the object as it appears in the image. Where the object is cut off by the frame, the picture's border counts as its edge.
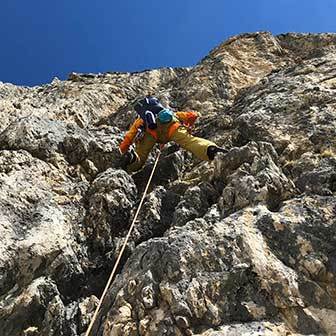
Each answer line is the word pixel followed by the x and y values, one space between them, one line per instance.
pixel 244 245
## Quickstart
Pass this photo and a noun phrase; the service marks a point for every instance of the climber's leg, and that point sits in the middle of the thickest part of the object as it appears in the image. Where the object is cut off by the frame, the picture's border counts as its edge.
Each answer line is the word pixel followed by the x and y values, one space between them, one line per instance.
pixel 198 146
pixel 142 149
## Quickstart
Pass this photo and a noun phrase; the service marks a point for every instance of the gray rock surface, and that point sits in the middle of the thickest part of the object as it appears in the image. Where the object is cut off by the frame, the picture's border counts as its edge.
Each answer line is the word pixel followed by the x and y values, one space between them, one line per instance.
pixel 244 245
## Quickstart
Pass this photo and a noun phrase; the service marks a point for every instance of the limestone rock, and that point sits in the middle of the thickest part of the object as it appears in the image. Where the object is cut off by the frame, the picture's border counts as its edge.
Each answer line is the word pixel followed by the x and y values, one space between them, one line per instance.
pixel 243 245
pixel 252 176
pixel 109 203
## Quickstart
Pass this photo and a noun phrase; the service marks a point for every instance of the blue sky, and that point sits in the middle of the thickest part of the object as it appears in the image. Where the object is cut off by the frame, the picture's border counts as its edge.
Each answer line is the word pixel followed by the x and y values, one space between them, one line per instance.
pixel 42 39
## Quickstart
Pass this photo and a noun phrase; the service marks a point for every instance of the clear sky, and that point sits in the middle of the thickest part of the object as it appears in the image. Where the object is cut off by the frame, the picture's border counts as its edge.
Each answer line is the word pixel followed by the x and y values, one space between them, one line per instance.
pixel 42 39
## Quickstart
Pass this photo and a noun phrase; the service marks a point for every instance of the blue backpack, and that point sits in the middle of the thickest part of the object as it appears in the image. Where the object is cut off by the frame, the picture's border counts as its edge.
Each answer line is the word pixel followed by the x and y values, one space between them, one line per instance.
pixel 150 109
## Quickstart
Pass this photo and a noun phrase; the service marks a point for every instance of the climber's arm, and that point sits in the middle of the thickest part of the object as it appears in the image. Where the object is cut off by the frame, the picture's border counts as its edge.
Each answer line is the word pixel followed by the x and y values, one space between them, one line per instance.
pixel 187 118
pixel 130 135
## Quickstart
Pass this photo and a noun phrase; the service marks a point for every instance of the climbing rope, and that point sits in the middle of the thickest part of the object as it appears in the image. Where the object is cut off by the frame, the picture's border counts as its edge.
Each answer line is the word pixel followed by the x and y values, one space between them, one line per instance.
pixel 123 248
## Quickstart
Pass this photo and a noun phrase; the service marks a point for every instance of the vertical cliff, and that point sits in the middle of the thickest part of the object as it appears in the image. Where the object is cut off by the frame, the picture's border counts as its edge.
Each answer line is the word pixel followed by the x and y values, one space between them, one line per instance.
pixel 243 245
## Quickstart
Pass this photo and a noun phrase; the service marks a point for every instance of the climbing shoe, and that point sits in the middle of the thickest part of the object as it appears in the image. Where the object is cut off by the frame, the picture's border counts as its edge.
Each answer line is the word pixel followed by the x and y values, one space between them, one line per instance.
pixel 127 158
pixel 213 150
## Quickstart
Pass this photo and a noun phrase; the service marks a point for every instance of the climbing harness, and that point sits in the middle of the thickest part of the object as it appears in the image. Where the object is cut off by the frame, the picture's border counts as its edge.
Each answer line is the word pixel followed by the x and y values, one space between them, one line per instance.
pixel 123 247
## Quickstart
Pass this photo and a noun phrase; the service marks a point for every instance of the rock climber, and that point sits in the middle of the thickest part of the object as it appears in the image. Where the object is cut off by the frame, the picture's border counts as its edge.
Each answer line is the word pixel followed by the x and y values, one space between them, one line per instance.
pixel 157 124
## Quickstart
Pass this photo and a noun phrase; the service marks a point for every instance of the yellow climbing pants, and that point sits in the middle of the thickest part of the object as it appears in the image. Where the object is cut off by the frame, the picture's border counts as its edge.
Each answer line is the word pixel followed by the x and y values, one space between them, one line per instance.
pixel 195 145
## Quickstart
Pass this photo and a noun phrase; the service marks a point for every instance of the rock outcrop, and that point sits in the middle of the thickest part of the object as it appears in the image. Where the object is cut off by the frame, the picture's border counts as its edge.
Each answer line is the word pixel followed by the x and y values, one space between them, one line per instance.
pixel 243 245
